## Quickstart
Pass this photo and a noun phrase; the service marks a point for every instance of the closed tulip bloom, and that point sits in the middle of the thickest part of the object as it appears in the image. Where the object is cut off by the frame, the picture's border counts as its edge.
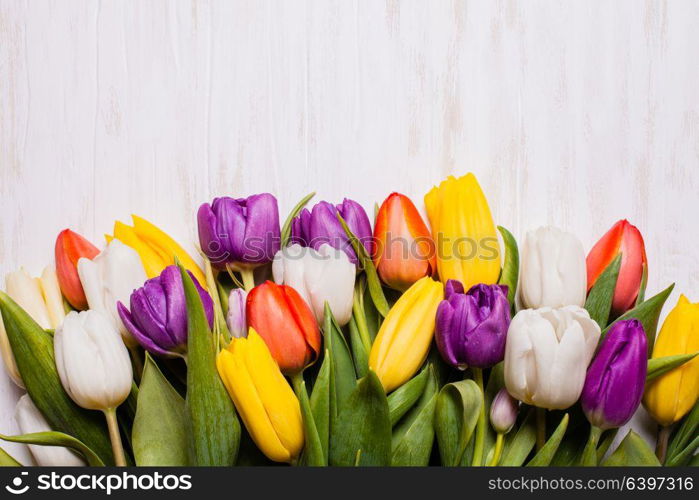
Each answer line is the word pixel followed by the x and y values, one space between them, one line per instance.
pixel 156 248
pixel 468 249
pixel 158 316
pixel 547 353
pixel 30 420
pixel 41 299
pixel 403 248
pixel 669 397
pixel 70 248
pixel 321 276
pixel 242 233
pixel 503 412
pixel 236 318
pixel 614 383
pixel 552 270
pixel 624 239
pixel 404 338
pixel 92 361
pixel 109 278
pixel 471 327
pixel 320 226
pixel 264 400
pixel 286 324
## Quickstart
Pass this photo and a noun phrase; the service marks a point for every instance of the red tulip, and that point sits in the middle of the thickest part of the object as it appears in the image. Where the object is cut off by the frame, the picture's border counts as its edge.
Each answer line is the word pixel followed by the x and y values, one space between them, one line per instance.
pixel 624 239
pixel 71 247
pixel 287 325
pixel 403 248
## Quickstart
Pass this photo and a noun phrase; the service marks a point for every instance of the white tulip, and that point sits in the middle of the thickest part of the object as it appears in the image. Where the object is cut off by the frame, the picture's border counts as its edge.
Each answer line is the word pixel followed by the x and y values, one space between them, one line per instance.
pixel 547 353
pixel 30 420
pixel 553 270
pixel 92 361
pixel 41 298
pixel 109 278
pixel 325 275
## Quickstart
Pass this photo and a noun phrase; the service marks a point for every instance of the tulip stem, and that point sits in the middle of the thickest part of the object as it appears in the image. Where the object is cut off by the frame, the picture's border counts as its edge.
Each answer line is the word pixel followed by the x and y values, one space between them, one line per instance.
pixel 360 319
pixel 589 456
pixel 248 279
pixel 540 428
pixel 115 437
pixel 481 425
pixel 499 440
pixel 661 446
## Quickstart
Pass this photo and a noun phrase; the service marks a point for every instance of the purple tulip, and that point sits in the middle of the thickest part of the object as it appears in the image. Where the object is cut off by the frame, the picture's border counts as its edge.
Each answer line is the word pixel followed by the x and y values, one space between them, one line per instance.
pixel 313 228
pixel 616 377
pixel 242 232
pixel 158 316
pixel 471 327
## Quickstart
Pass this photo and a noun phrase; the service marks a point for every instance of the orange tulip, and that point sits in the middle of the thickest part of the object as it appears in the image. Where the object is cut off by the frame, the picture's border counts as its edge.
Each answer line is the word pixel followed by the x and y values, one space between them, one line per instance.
pixel 403 248
pixel 286 324
pixel 71 247
pixel 624 239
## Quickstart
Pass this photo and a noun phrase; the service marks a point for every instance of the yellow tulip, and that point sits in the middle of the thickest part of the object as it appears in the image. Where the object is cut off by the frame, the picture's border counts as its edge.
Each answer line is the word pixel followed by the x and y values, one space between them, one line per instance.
pixel 404 338
pixel 669 397
pixel 156 249
pixel 265 401
pixel 462 228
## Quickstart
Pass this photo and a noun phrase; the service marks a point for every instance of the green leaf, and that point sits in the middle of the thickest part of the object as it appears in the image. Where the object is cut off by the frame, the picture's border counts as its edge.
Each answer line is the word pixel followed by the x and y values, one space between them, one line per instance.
pixel 647 313
pixel 414 435
pixel 359 354
pixel 363 434
pixel 606 443
pixel 633 451
pixel 518 449
pixel 320 402
pixel 220 326
pixel 159 437
pixel 403 398
pixel 212 424
pixel 373 281
pixel 286 228
pixel 686 431
pixel 642 289
pixel 658 366
pixel 52 438
pixel 33 351
pixel 685 455
pixel 313 454
pixel 599 301
pixel 456 415
pixel 544 456
pixel 510 268
pixel 6 460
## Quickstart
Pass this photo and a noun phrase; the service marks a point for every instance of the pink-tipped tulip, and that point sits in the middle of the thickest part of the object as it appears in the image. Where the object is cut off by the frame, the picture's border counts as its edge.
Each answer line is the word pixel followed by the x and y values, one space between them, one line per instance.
pixel 625 239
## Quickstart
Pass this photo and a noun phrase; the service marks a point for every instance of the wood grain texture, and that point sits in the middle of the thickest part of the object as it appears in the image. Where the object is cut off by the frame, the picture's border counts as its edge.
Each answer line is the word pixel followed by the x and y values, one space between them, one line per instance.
pixel 570 113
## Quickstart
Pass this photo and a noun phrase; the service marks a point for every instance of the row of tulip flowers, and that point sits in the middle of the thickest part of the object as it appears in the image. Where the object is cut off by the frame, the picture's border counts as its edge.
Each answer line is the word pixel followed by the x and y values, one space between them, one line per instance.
pixel 318 335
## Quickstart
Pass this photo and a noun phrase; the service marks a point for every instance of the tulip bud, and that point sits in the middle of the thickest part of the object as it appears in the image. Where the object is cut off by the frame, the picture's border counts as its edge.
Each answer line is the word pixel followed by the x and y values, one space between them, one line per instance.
pixel 155 247
pixel 552 269
pixel 110 278
pixel 624 239
pixel 669 397
pixel 158 315
pixel 314 228
pixel 30 420
pixel 71 247
pixel 326 275
pixel 503 412
pixel 285 323
pixel 403 248
pixel 242 233
pixel 404 338
pixel 471 327
pixel 264 400
pixel 92 361
pixel 547 353
pixel 236 320
pixel 468 249
pixel 614 382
